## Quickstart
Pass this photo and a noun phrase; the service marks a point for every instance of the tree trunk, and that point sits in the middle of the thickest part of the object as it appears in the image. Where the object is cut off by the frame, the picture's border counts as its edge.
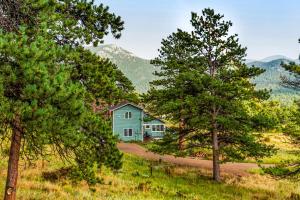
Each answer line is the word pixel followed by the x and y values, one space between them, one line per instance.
pixel 181 135
pixel 180 143
pixel 13 162
pixel 216 155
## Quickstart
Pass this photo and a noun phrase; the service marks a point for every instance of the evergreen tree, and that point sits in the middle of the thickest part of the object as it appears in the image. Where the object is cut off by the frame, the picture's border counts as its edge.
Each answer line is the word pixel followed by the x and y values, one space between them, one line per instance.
pixel 203 73
pixel 74 23
pixel 293 128
pixel 294 83
pixel 294 69
pixel 177 66
pixel 101 78
pixel 47 84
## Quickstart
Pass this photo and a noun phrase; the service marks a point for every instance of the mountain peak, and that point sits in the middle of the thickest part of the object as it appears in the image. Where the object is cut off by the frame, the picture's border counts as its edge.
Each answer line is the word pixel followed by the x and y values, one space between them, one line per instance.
pixel 138 70
pixel 275 57
pixel 110 50
pixel 114 49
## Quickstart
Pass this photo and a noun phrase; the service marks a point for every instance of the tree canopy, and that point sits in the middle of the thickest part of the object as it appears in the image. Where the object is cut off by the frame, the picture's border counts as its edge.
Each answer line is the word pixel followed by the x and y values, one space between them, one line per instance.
pixel 48 81
pixel 204 83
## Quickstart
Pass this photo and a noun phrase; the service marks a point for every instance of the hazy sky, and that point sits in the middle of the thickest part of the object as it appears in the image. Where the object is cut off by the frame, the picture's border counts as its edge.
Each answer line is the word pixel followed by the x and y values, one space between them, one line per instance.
pixel 266 27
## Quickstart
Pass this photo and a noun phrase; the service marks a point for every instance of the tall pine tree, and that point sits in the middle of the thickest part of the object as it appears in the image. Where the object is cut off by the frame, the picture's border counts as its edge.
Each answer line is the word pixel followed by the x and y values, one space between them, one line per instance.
pixel 47 84
pixel 203 73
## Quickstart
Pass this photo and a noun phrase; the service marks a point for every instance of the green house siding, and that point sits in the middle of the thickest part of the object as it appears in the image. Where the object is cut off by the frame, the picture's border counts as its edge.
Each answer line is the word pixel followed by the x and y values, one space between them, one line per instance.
pixel 135 123
pixel 150 132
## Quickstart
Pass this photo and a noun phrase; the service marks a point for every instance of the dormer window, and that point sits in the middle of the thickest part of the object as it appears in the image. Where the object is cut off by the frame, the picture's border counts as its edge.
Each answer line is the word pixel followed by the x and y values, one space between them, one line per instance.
pixel 128 115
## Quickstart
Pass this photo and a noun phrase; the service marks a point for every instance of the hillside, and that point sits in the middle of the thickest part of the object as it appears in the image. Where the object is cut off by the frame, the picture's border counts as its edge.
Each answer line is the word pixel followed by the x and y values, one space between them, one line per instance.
pixel 271 79
pixel 275 57
pixel 140 71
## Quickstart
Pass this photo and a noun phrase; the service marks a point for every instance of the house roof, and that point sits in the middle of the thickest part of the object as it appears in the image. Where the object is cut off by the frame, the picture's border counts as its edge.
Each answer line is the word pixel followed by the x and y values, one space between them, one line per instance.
pixel 125 103
pixel 112 108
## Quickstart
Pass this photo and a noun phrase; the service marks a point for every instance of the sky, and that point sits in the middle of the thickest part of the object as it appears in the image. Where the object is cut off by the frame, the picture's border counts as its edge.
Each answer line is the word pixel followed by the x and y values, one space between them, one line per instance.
pixel 265 27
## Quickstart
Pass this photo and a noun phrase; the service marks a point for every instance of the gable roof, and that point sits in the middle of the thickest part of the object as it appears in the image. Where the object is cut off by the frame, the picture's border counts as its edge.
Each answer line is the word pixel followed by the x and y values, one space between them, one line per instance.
pixel 118 106
pixel 125 103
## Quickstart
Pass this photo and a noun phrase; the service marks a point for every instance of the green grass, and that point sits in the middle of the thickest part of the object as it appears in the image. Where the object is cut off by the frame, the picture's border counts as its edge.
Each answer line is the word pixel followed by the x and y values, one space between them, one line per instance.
pixel 134 182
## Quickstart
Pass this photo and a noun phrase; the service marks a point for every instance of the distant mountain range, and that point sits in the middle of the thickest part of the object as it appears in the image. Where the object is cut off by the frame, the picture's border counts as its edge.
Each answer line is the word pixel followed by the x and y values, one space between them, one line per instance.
pixel 278 57
pixel 140 71
pixel 271 78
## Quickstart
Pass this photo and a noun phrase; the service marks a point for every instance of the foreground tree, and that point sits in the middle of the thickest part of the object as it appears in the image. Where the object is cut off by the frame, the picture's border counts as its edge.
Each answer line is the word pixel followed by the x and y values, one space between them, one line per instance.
pixel 204 74
pixel 47 85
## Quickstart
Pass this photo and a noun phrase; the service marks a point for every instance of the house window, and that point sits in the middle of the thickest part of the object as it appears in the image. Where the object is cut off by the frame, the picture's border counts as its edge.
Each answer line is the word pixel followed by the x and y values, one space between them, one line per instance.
pixel 128 115
pixel 147 126
pixel 158 128
pixel 127 132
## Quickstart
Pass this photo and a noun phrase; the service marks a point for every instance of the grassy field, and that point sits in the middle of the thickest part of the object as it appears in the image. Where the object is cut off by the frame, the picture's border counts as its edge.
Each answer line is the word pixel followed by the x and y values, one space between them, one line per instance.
pixel 287 151
pixel 135 182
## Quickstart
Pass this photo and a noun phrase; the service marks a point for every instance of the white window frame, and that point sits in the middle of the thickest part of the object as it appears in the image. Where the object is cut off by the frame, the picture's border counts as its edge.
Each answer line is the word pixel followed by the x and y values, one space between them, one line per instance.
pixel 154 125
pixel 129 114
pixel 147 126
pixel 127 129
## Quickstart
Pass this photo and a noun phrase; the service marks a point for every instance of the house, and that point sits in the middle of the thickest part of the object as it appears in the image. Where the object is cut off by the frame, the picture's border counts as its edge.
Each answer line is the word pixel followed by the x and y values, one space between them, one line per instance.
pixel 131 123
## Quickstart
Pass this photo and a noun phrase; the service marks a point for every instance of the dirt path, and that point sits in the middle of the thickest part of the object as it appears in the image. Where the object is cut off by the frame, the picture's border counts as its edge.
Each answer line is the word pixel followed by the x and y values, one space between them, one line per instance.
pixel 239 169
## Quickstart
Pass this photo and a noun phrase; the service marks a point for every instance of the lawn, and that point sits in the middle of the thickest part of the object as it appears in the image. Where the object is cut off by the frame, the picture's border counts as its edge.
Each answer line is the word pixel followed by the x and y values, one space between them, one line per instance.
pixel 134 182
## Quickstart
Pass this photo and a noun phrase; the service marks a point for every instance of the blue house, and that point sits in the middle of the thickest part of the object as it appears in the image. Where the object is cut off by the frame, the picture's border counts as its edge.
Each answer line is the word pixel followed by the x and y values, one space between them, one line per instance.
pixel 131 123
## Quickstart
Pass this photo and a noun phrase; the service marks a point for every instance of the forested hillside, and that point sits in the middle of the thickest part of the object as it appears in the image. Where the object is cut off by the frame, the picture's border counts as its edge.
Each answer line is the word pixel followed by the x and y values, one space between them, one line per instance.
pixel 140 71
pixel 271 79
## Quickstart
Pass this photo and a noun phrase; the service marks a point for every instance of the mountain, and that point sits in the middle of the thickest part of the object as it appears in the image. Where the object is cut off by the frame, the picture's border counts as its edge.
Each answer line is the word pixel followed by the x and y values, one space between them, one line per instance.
pixel 275 57
pixel 271 79
pixel 140 71
pixel 249 61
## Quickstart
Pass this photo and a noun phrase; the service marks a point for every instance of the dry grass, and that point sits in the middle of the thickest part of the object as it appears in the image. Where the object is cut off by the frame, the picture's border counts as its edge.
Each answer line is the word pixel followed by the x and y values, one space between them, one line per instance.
pixel 135 183
pixel 267 183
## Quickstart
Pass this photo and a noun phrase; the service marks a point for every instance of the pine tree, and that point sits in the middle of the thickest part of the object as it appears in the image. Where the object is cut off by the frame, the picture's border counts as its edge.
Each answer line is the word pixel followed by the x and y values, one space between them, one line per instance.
pixel 102 79
pixel 47 85
pixel 176 66
pixel 292 129
pixel 203 73
pixel 294 69
pixel 293 83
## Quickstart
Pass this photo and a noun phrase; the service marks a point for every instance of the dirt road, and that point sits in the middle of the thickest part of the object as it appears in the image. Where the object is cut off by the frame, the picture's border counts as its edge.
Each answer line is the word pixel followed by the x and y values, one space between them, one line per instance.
pixel 238 169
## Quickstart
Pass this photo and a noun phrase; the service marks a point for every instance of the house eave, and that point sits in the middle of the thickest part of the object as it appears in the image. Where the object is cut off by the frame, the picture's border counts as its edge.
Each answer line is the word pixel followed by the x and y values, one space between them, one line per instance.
pixel 121 106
